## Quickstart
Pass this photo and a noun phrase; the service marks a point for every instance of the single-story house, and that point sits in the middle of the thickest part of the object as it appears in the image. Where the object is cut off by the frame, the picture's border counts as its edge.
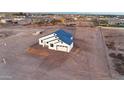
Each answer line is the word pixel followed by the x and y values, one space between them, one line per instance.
pixel 59 40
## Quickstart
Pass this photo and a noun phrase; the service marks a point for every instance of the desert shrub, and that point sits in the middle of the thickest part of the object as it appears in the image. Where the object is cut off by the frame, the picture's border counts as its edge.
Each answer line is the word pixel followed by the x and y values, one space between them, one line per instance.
pixel 118 61
pixel 111 45
pixel 113 55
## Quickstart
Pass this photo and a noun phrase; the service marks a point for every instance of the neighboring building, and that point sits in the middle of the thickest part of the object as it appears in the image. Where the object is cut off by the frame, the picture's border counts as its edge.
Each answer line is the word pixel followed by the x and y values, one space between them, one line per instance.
pixel 113 21
pixel 3 21
pixel 25 21
pixel 59 40
pixel 6 20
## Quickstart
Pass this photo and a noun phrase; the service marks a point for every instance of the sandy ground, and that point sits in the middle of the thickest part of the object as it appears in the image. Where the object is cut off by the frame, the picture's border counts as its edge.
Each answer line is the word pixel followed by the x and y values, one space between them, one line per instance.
pixel 88 62
pixel 115 36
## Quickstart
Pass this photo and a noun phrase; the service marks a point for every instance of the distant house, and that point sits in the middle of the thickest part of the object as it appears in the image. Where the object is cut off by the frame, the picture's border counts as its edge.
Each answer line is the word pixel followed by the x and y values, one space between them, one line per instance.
pixel 25 21
pixel 114 21
pixel 59 40
pixel 6 20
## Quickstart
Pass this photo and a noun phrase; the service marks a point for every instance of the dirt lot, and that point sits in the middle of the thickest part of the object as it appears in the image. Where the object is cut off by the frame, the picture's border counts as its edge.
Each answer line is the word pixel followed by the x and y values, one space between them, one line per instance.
pixel 114 39
pixel 86 61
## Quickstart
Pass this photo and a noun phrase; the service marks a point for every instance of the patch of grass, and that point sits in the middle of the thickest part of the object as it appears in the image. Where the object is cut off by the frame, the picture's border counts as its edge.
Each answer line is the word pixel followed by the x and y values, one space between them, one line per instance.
pixel 118 61
pixel 111 45
pixel 119 67
pixel 120 56
pixel 113 55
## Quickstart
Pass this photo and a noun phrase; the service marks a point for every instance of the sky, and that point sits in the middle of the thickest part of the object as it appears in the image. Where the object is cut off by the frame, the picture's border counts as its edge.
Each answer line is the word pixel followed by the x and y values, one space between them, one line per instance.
pixel 62 6
pixel 94 13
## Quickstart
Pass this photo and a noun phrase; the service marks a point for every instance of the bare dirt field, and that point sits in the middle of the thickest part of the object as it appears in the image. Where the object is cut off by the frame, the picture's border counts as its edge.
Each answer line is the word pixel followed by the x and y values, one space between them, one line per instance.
pixel 114 39
pixel 87 60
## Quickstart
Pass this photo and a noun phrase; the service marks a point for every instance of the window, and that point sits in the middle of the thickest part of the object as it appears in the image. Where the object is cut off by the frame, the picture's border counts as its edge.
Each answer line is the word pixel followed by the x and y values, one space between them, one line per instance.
pixel 51 45
pixel 41 41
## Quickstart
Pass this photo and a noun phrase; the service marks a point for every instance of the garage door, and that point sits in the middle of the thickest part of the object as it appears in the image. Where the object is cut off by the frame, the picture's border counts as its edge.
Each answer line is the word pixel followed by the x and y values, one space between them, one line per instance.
pixel 62 48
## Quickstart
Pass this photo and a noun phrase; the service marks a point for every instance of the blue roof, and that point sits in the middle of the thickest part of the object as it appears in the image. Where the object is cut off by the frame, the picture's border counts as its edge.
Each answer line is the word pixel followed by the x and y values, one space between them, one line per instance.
pixel 66 37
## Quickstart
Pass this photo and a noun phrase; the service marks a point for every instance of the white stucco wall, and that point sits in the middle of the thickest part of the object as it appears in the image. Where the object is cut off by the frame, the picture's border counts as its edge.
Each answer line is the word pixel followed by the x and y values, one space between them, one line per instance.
pixel 70 47
pixel 64 44
pixel 45 37
pixel 48 40
pixel 53 42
